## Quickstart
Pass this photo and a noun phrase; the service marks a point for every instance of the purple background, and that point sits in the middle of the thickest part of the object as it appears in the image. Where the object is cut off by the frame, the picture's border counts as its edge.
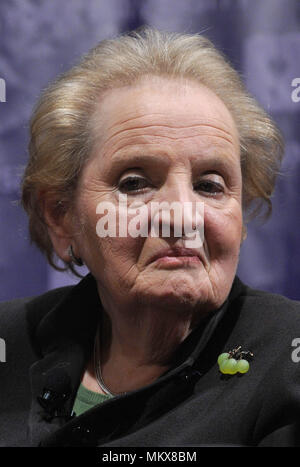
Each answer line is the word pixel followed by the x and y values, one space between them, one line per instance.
pixel 39 39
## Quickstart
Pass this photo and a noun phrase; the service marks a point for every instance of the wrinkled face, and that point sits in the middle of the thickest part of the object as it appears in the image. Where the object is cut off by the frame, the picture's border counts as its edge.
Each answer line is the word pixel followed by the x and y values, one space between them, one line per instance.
pixel 163 140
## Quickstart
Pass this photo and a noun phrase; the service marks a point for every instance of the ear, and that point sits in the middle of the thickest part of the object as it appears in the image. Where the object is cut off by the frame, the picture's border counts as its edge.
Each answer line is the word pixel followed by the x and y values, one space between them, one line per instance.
pixel 58 220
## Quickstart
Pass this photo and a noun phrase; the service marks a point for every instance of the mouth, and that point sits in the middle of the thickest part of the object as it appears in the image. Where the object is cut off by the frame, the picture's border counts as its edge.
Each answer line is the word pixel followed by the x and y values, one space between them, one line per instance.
pixel 173 257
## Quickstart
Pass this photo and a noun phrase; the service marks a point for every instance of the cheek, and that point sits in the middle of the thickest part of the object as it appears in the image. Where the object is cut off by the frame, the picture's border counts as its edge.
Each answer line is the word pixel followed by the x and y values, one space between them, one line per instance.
pixel 121 253
pixel 223 231
pixel 110 252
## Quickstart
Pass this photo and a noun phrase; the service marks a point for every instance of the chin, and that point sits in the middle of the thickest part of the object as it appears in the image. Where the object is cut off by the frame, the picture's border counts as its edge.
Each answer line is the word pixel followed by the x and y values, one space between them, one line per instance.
pixel 176 299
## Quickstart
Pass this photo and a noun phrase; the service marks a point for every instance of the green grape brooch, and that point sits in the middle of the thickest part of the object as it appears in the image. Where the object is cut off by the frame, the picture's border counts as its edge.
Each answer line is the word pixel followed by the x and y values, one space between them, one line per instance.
pixel 234 361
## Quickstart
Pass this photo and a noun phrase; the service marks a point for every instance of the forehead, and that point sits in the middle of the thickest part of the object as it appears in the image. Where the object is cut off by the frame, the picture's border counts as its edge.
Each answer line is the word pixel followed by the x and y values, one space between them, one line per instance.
pixel 163 109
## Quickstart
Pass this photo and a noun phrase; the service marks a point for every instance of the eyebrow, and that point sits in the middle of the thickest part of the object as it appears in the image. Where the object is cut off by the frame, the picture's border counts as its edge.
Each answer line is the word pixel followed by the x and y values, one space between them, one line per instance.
pixel 121 160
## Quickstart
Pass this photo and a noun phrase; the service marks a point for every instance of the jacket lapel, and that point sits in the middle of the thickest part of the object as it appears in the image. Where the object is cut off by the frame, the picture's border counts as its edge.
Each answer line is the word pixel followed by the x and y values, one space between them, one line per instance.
pixel 63 338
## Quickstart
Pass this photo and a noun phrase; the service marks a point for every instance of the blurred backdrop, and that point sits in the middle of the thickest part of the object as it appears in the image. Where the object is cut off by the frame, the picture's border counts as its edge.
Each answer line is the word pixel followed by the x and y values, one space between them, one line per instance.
pixel 41 38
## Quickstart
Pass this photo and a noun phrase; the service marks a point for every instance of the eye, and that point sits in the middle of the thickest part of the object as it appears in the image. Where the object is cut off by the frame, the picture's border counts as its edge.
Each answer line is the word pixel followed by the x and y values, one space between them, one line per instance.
pixel 209 187
pixel 133 184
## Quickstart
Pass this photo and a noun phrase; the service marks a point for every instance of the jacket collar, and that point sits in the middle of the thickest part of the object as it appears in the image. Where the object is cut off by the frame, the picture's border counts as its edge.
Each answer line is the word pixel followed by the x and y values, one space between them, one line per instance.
pixel 71 321
pixel 63 335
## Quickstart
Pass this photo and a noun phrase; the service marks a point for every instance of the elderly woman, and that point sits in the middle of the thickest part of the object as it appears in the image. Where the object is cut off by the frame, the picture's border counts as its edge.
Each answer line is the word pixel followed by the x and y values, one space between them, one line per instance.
pixel 160 344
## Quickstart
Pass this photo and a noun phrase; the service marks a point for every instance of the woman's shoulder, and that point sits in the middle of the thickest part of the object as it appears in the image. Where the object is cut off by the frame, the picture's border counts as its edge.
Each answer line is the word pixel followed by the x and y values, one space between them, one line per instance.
pixel 255 301
pixel 269 302
pixel 267 315
pixel 13 311
pixel 32 310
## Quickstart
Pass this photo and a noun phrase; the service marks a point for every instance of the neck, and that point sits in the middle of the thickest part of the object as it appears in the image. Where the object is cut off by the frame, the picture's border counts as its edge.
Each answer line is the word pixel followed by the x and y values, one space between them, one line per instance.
pixel 137 342
pixel 135 352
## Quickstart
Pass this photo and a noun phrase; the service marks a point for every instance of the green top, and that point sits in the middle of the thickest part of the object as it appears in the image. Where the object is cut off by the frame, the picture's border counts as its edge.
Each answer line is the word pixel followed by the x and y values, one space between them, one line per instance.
pixel 86 399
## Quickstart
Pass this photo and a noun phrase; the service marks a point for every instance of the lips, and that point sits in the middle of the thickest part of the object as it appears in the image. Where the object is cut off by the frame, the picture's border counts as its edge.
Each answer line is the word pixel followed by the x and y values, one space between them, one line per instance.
pixel 175 252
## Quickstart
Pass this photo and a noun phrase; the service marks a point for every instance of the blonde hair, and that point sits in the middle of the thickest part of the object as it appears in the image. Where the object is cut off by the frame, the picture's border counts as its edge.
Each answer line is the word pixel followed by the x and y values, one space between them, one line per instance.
pixel 61 136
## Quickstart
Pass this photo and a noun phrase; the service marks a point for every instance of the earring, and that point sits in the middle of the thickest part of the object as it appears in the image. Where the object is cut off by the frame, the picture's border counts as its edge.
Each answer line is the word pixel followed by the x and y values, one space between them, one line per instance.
pixel 77 261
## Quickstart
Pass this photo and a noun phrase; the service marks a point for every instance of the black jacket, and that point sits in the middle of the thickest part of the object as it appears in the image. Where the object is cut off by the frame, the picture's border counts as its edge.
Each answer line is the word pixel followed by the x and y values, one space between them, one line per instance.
pixel 49 340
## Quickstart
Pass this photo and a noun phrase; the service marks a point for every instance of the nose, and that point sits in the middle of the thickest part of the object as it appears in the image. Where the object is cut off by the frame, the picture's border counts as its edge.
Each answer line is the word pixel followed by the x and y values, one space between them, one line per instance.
pixel 178 211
